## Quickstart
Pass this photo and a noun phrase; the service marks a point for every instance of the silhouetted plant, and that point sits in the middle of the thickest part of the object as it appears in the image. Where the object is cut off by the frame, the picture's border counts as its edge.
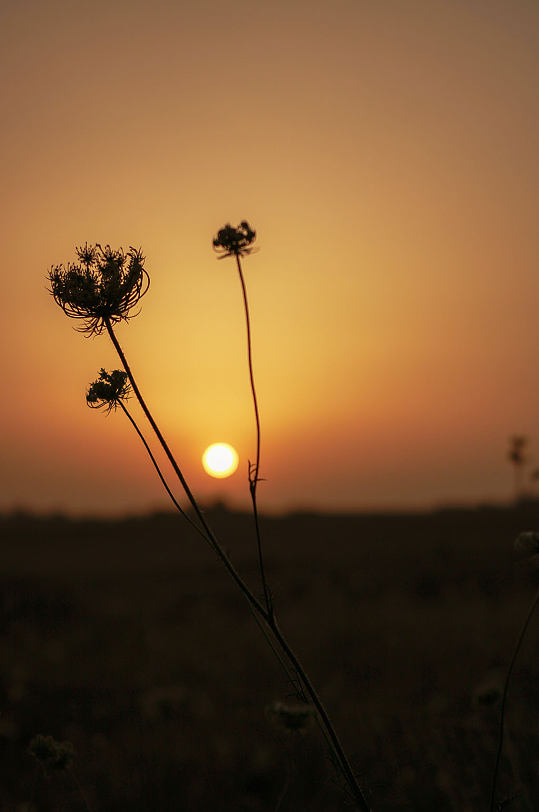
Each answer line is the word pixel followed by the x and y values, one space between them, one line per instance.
pixel 108 391
pixel 101 290
pixel 517 457
pixel 293 718
pixel 527 543
pixel 237 242
pixel 51 754
pixel 56 756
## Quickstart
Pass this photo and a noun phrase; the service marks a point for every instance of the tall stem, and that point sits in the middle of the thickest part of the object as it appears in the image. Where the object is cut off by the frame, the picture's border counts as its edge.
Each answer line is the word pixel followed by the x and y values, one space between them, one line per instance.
pixel 326 721
pixel 214 542
pixel 516 651
pixel 254 473
pixel 259 621
pixel 159 474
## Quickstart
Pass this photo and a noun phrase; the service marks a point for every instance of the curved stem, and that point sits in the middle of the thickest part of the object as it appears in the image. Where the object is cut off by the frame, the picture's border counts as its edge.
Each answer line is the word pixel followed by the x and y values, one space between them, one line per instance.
pixel 259 621
pixel 214 542
pixel 518 646
pixel 251 374
pixel 326 721
pixel 159 474
pixel 254 473
pixel 152 422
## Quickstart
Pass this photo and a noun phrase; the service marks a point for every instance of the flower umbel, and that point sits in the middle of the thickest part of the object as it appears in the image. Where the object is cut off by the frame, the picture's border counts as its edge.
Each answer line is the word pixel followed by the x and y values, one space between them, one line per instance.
pixel 232 241
pixel 104 285
pixel 291 717
pixel 108 390
pixel 52 754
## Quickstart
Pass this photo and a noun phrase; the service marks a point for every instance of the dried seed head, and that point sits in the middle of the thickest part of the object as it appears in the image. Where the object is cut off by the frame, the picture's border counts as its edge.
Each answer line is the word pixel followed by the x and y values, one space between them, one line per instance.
pixel 108 390
pixel 516 453
pixel 104 285
pixel 528 542
pixel 51 754
pixel 293 718
pixel 232 241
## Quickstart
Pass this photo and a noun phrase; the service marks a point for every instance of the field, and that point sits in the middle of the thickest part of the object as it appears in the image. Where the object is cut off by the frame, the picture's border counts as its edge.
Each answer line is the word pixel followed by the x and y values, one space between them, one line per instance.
pixel 129 640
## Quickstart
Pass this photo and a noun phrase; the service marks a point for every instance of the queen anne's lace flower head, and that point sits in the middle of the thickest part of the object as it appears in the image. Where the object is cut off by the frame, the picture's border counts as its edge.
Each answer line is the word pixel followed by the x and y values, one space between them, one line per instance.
pixel 108 390
pixel 103 286
pixel 232 241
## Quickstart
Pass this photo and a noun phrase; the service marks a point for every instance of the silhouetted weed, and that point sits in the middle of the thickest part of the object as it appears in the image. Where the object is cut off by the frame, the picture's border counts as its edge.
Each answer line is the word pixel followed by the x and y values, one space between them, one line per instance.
pixel 101 289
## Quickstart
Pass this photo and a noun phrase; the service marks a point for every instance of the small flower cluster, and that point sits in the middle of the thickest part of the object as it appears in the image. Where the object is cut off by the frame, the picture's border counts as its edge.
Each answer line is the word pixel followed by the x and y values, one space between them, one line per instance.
pixel 528 542
pixel 108 390
pixel 232 241
pixel 294 718
pixel 516 452
pixel 51 754
pixel 103 286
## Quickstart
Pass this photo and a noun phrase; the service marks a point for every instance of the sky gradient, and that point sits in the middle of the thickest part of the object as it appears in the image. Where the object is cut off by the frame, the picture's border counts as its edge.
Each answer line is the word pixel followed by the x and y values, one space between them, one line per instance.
pixel 386 154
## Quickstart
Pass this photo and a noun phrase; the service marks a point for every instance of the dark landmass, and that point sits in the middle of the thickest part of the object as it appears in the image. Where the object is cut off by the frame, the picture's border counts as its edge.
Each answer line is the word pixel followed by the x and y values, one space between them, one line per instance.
pixel 127 638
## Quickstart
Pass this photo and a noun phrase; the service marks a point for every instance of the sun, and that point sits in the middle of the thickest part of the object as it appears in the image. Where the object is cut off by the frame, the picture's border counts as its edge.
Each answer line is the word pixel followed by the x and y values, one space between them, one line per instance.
pixel 220 460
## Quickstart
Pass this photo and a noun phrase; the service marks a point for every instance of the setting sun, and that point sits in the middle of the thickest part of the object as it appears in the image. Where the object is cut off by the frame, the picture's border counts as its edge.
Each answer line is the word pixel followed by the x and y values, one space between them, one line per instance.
pixel 220 460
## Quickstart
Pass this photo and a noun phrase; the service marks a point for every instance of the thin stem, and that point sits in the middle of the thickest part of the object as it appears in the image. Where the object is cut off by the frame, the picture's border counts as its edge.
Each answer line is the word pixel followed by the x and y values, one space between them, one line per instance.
pixel 259 621
pixel 159 474
pixel 251 374
pixel 254 472
pixel 518 646
pixel 215 543
pixel 295 680
pixel 323 714
pixel 82 794
pixel 153 424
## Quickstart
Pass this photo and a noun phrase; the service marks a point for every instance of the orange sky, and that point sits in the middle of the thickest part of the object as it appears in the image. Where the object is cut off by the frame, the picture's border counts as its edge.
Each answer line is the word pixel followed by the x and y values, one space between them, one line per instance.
pixel 386 153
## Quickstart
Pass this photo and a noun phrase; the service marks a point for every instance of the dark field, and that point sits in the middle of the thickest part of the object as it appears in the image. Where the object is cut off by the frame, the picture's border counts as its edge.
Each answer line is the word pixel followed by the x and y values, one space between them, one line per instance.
pixel 129 640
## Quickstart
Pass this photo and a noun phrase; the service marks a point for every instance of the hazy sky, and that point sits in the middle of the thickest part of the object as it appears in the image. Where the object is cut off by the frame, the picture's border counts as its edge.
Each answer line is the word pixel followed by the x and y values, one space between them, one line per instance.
pixel 386 153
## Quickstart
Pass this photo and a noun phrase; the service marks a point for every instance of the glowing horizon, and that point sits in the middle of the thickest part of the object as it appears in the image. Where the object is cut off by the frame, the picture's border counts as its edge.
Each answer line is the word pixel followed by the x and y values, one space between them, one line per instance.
pixel 386 158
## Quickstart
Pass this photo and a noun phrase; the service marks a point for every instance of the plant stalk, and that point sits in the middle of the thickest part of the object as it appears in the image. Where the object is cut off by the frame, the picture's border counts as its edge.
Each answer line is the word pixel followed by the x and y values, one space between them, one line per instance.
pixel 254 473
pixel 159 474
pixel 516 651
pixel 214 542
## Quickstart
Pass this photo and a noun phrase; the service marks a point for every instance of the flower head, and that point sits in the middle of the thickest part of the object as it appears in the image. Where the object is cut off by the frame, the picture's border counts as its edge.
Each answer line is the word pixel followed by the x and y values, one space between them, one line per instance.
pixel 104 285
pixel 516 452
pixel 108 390
pixel 232 241
pixel 528 542
pixel 51 754
pixel 293 718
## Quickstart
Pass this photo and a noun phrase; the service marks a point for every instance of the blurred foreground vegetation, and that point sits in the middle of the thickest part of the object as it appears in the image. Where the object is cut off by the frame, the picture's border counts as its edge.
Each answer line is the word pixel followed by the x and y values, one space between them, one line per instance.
pixel 128 639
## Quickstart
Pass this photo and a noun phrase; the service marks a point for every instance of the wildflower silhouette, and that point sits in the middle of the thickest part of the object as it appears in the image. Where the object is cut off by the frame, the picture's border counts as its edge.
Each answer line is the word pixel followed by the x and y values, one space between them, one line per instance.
pixel 51 754
pixel 55 756
pixel 109 390
pixel 102 287
pixel 516 455
pixel 527 543
pixel 237 242
pixel 101 290
pixel 293 718
pixel 232 241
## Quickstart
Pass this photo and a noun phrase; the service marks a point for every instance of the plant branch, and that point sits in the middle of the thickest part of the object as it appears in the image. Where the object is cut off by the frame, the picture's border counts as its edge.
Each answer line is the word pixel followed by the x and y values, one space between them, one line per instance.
pixel 255 603
pixel 326 721
pixel 516 651
pixel 160 475
pixel 254 472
